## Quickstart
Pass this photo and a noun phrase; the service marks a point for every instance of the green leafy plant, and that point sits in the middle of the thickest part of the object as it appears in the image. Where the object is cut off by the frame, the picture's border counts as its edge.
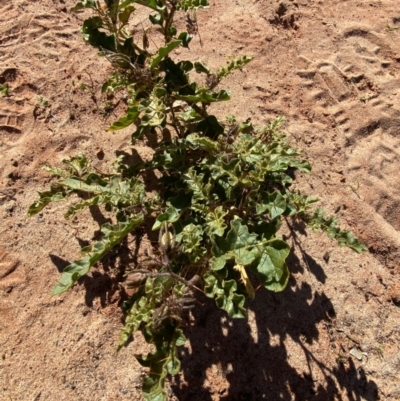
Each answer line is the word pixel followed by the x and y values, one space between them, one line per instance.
pixel 391 28
pixel 4 89
pixel 43 101
pixel 224 189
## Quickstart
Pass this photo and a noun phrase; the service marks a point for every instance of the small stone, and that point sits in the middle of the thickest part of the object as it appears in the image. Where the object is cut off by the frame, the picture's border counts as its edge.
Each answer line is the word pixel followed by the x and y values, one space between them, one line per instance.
pixel 356 353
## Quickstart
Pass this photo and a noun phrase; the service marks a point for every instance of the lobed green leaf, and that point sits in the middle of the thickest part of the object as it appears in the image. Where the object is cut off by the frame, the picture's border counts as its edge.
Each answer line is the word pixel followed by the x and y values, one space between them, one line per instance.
pixel 205 96
pixel 96 38
pixel 54 195
pixel 270 265
pixel 318 221
pixel 225 295
pixel 233 65
pixel 163 52
pixel 131 115
pixel 187 5
pixel 215 221
pixel 113 234
pixel 85 4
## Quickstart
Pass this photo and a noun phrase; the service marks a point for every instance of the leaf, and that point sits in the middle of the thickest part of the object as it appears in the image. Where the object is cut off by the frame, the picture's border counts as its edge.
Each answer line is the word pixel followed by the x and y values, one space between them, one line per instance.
pixel 149 3
pixel 186 66
pixel 74 209
pixel 346 238
pixel 227 174
pixel 163 52
pixel 225 295
pixel 115 192
pixel 215 221
pixel 267 230
pixel 301 165
pixel 275 203
pixel 191 238
pixel 176 78
pixel 201 68
pixel 317 221
pixel 131 114
pixel 160 363
pixel 237 238
pixel 186 38
pixel 156 19
pixel 237 245
pixel 179 202
pixel 113 234
pixel 45 198
pixel 195 184
pixel 172 31
pixel 84 4
pixel 186 5
pixel 270 265
pixel 211 127
pixel 80 185
pixel 78 165
pixel 96 38
pixel 153 110
pixel 200 142
pixel 125 14
pixel 205 96
pixel 171 215
pixel 140 308
pixel 189 115
pixel 233 65
pixel 266 257
pixel 298 203
pixel 4 89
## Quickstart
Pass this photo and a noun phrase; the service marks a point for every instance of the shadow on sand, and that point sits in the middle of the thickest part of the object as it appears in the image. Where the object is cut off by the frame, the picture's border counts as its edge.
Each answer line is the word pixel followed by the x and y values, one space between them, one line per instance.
pixel 242 366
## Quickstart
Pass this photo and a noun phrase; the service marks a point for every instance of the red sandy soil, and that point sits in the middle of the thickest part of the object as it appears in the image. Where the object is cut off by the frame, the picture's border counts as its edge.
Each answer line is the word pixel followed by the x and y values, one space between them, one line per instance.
pixel 332 68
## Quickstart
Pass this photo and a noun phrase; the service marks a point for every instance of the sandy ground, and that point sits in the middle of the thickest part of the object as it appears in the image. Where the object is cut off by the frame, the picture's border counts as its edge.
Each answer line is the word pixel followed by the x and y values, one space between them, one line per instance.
pixel 332 68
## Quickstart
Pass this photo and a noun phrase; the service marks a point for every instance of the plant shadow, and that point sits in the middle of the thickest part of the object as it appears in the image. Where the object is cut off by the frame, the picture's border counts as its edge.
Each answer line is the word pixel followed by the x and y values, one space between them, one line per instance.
pixel 228 361
pixel 105 278
pixel 105 283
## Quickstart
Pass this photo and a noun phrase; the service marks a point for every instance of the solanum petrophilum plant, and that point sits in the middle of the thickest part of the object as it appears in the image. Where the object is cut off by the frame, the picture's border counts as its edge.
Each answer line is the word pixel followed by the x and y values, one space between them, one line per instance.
pixel 224 190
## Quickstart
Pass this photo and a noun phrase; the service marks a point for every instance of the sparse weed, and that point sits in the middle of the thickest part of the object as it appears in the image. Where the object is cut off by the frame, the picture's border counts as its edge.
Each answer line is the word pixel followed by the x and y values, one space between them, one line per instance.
pixel 390 28
pixel 4 89
pixel 43 101
pixel 379 350
pixel 224 190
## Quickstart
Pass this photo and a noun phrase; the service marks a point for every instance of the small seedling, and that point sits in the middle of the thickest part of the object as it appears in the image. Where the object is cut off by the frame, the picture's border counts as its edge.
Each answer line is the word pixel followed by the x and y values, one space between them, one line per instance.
pixel 391 28
pixel 85 87
pixel 4 89
pixel 359 48
pixel 379 350
pixel 43 101
pixel 355 188
pixel 225 186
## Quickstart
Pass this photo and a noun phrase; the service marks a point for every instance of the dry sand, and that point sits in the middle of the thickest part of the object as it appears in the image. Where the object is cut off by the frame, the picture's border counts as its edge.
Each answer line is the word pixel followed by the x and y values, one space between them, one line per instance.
pixel 332 68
